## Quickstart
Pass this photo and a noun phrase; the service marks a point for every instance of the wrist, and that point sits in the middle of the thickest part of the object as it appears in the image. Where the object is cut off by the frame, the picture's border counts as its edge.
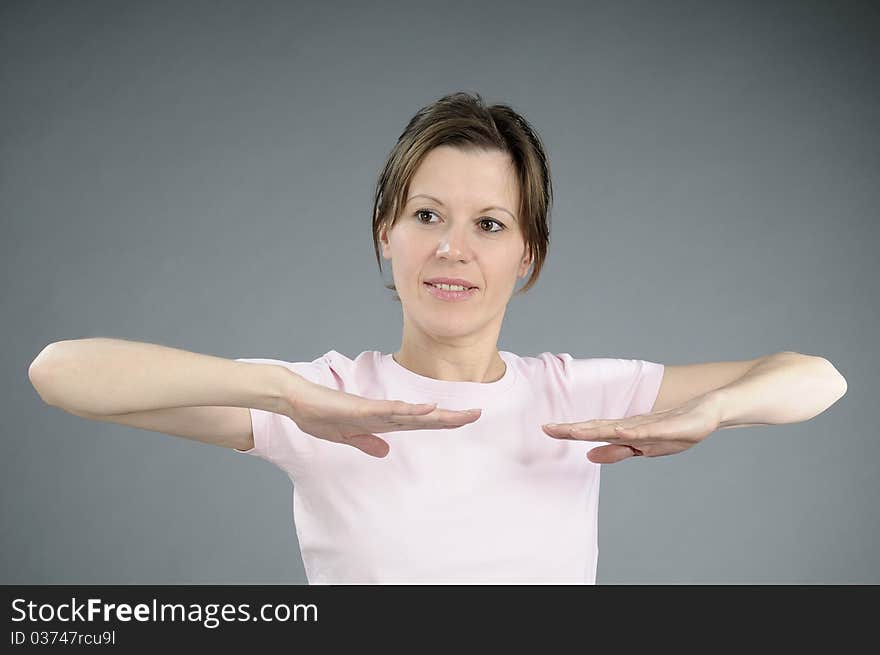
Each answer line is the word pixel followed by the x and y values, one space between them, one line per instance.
pixel 265 386
pixel 717 400
pixel 288 388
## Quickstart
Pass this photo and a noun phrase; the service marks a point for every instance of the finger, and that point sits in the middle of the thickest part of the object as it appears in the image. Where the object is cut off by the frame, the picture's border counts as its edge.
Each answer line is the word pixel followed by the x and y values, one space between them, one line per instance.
pixel 581 433
pixel 438 420
pixel 394 412
pixel 611 454
pixel 451 419
pixel 451 416
pixel 610 432
pixel 370 444
pixel 403 408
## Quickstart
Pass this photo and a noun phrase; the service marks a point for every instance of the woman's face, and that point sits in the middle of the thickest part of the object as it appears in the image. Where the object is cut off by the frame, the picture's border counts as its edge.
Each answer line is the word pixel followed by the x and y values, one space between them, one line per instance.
pixel 467 229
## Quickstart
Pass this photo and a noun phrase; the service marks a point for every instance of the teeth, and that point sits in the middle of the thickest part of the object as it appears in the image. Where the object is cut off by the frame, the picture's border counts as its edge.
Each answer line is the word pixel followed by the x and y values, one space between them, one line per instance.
pixel 449 287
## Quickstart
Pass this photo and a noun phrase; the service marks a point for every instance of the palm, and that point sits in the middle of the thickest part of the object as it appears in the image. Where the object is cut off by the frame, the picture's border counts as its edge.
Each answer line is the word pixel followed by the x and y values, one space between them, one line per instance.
pixel 354 420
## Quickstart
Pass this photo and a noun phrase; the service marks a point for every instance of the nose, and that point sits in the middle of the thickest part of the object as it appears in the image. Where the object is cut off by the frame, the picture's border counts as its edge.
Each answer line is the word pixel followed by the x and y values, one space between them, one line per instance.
pixel 453 245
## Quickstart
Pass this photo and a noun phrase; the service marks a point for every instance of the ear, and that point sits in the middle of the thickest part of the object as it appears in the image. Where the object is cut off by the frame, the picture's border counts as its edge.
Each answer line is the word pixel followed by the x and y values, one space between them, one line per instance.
pixel 526 263
pixel 383 241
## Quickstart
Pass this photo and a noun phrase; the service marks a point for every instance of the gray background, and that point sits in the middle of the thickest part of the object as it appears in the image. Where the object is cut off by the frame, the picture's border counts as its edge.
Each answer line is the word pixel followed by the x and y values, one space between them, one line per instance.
pixel 183 173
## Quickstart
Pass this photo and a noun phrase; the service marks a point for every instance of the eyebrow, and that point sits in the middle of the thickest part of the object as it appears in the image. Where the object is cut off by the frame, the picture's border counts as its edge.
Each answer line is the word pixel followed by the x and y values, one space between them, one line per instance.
pixel 440 202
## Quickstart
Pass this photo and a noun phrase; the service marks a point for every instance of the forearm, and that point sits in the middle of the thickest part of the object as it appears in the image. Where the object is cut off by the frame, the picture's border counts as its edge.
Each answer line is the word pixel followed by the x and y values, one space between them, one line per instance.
pixel 114 376
pixel 785 387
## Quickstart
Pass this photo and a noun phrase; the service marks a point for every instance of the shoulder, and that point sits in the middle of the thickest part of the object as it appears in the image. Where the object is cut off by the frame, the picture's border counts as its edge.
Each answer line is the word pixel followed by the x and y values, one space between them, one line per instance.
pixel 610 372
pixel 313 370
pixel 567 365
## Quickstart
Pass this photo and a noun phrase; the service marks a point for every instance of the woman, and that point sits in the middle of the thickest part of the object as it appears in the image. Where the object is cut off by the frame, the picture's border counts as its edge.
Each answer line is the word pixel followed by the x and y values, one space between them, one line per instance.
pixel 470 483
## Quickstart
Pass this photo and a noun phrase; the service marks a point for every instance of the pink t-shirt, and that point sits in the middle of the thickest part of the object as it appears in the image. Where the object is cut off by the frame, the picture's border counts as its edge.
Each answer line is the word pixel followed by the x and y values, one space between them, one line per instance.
pixel 494 502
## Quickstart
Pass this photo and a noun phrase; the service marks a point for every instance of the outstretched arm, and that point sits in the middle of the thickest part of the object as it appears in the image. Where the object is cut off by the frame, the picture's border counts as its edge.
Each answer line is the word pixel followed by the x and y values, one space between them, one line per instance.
pixel 786 387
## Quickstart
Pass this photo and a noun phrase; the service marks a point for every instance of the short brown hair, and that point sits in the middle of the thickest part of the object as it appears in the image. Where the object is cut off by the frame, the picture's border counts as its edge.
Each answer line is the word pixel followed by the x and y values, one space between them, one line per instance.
pixel 463 120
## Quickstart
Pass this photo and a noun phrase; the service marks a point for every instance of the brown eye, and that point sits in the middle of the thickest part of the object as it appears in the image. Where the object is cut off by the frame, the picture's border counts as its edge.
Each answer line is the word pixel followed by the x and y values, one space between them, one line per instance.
pixel 419 212
pixel 492 220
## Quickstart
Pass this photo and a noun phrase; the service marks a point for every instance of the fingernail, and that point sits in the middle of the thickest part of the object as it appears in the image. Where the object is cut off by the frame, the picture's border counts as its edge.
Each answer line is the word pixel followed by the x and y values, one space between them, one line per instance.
pixel 550 425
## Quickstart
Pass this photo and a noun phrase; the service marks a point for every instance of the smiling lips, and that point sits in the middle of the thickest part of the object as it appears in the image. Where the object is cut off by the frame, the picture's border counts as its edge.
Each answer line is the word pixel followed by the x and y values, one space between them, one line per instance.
pixel 443 294
pixel 451 280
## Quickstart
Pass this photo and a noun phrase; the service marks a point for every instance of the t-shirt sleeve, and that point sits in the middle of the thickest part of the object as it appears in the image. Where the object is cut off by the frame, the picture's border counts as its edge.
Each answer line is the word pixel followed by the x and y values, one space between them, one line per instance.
pixel 635 383
pixel 610 387
pixel 277 438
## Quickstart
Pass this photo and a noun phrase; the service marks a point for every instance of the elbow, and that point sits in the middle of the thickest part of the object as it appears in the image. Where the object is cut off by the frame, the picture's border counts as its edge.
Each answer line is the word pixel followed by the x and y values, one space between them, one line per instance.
pixel 39 375
pixel 837 378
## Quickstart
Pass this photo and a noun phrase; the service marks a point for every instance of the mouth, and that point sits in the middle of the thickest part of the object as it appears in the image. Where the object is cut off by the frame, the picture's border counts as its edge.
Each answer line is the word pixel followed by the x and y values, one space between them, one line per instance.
pixel 443 294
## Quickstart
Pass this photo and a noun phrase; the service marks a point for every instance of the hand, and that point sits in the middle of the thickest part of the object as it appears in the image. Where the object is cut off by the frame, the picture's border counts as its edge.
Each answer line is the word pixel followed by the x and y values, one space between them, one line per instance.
pixel 652 435
pixel 351 419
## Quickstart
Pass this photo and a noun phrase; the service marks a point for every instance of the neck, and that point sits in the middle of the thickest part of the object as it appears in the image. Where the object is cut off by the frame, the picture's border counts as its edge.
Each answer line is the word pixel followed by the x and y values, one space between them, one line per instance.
pixel 453 363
